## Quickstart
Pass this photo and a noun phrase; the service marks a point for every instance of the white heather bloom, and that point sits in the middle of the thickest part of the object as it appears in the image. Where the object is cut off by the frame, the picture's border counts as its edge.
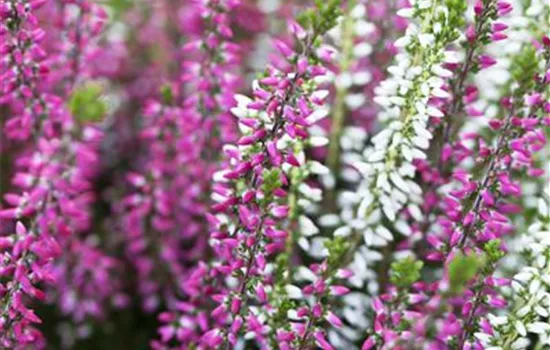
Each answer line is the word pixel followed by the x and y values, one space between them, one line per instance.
pixel 383 171
pixel 530 298
pixel 387 185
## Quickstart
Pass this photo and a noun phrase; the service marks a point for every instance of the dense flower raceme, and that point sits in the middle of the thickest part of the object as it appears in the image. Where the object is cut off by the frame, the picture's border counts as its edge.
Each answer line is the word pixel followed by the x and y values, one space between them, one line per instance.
pixel 386 166
pixel 54 203
pixel 77 26
pixel 82 270
pixel 30 64
pixel 444 104
pixel 460 107
pixel 254 196
pixel 365 50
pixel 22 66
pixel 53 176
pixel 185 133
pixel 523 21
pixel 473 227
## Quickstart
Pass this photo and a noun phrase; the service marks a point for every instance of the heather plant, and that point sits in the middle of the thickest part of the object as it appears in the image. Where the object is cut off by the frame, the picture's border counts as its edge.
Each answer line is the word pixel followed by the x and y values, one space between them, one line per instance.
pixel 258 174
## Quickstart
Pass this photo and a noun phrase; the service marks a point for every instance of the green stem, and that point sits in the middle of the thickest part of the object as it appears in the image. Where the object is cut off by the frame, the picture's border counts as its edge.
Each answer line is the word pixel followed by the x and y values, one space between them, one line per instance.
pixel 339 109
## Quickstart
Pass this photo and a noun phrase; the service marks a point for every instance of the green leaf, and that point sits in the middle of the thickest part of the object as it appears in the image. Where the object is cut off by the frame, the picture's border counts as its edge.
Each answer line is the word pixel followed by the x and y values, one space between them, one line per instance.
pixel 271 181
pixel 85 103
pixel 461 270
pixel 405 272
pixel 457 8
pixel 337 248
pixel 493 251
pixel 167 94
pixel 321 18
pixel 281 268
pixel 524 67
pixel 119 7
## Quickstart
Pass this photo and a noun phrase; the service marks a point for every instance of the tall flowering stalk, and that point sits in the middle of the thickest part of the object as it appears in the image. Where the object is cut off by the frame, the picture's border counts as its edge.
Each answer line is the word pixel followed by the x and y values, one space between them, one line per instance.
pixel 256 234
pixel 387 187
pixel 186 131
pixel 252 192
pixel 86 277
pixel 54 204
pixel 53 174
pixel 460 106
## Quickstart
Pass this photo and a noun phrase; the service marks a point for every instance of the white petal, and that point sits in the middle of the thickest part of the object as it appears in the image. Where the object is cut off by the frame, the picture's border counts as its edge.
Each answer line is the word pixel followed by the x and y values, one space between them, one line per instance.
pixel 406 12
pixel 294 292
pixel 307 227
pixel 520 327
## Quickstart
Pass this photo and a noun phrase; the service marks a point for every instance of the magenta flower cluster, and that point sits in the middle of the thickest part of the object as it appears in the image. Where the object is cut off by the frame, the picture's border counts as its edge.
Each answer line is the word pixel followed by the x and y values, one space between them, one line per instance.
pixel 242 174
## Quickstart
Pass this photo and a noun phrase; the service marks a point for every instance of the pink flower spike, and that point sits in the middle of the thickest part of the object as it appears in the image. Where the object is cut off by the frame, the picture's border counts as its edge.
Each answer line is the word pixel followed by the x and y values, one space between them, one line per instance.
pixel 36 4
pixel 261 294
pixel 534 99
pixel 235 305
pixel 377 305
pixel 20 229
pixel 212 338
pixel 478 7
pixel 471 33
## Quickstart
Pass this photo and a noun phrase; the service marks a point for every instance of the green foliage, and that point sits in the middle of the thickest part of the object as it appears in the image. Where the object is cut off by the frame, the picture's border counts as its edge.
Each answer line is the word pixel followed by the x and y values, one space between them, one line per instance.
pixel 119 7
pixel 455 19
pixel 337 248
pixel 405 272
pixel 461 270
pixel 493 251
pixel 457 9
pixel 297 176
pixel 524 67
pixel 282 305
pixel 271 181
pixel 281 268
pixel 404 325
pixel 86 105
pixel 167 94
pixel 322 17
